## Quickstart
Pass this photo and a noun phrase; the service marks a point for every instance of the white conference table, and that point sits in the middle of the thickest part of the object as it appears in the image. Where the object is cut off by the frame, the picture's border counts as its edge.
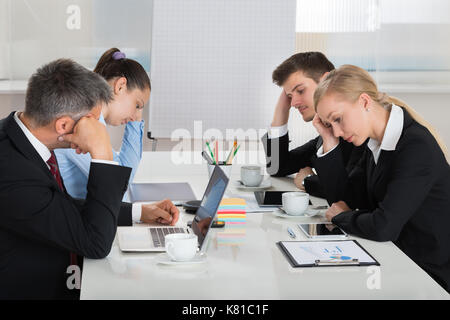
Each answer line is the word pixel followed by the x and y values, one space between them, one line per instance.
pixel 253 267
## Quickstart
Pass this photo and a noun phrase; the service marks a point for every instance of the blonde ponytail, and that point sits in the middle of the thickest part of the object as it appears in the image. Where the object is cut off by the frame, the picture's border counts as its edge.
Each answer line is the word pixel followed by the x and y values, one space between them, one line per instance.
pixel 350 82
pixel 419 119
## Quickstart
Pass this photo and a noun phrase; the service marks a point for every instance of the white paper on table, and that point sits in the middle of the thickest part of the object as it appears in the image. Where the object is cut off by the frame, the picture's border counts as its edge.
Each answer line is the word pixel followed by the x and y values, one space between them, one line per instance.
pixel 308 252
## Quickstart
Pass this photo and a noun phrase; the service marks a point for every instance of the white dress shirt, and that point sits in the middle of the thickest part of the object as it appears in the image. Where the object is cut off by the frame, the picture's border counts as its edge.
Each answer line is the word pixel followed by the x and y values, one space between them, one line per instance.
pixel 276 132
pixel 391 135
pixel 41 148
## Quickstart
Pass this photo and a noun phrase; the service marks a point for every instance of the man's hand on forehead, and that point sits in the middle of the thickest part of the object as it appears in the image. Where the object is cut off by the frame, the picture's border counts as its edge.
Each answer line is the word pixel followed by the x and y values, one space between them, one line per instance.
pixel 89 135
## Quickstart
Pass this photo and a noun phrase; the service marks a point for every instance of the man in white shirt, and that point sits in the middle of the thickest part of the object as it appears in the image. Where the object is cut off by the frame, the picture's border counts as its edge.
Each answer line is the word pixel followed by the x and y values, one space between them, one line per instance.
pixel 299 76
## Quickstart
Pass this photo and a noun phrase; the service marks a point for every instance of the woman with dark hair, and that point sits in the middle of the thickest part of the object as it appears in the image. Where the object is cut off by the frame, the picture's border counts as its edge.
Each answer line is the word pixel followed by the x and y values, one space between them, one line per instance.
pixel 130 87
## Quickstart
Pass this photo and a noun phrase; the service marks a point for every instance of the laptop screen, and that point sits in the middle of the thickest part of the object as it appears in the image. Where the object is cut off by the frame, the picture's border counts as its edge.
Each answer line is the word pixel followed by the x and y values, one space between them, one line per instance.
pixel 209 205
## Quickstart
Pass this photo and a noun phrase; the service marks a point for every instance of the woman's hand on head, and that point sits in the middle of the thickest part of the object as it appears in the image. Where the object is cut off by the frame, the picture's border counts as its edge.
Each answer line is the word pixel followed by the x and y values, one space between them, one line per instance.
pixel 329 140
pixel 324 131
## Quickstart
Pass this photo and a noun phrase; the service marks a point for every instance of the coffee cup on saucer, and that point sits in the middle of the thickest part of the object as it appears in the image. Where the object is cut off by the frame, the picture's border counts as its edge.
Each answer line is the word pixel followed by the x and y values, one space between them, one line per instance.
pixel 251 176
pixel 295 203
pixel 181 247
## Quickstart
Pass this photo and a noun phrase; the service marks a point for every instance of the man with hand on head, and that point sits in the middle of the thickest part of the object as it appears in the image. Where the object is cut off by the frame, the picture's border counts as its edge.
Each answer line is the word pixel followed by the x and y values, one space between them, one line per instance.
pixel 43 230
pixel 299 76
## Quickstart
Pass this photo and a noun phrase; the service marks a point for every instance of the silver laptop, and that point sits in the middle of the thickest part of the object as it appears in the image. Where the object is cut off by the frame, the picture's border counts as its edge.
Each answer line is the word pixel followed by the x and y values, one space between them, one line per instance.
pixel 151 239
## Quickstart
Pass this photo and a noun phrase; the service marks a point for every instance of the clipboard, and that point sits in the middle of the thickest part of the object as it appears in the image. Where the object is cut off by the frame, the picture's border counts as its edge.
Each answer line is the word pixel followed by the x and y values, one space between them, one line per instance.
pixel 330 253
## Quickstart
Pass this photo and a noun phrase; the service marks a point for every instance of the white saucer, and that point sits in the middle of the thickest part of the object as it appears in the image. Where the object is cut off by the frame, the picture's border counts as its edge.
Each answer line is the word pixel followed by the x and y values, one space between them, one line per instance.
pixel 265 184
pixel 308 213
pixel 163 258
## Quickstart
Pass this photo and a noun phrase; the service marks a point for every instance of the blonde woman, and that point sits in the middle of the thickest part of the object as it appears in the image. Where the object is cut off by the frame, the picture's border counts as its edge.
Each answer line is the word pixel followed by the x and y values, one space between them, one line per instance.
pixel 400 190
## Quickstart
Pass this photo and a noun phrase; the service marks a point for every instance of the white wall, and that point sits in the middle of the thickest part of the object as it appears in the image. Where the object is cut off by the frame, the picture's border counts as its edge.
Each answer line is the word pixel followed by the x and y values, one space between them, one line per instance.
pixel 4 40
pixel 35 32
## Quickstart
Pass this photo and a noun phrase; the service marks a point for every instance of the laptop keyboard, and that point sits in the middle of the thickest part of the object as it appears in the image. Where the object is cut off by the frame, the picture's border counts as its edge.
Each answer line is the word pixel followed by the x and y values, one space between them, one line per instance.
pixel 158 235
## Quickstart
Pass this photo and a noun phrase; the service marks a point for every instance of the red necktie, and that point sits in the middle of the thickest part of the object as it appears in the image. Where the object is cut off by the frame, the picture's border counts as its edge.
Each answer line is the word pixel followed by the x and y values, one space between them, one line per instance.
pixel 55 172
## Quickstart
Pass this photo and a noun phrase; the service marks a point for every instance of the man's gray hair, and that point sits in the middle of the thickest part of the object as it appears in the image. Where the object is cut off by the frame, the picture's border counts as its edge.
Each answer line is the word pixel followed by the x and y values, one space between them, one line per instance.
pixel 64 88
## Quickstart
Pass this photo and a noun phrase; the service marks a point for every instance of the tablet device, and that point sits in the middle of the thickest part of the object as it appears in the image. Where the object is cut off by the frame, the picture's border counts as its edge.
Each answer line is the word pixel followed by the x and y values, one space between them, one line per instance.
pixel 270 198
pixel 322 231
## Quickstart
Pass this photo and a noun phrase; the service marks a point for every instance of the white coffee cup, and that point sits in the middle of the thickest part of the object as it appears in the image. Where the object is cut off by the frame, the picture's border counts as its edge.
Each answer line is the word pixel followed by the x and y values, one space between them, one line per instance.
pixel 295 203
pixel 181 246
pixel 251 176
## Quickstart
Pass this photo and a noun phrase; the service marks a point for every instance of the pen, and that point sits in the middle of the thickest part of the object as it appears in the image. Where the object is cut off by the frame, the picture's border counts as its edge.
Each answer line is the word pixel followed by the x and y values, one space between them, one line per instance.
pixel 337 262
pixel 207 158
pixel 291 233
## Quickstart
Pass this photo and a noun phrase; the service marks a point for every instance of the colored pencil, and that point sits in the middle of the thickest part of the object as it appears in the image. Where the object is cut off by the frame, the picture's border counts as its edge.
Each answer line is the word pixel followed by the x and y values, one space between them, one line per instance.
pixel 231 151
pixel 212 154
pixel 217 151
pixel 234 154
pixel 236 150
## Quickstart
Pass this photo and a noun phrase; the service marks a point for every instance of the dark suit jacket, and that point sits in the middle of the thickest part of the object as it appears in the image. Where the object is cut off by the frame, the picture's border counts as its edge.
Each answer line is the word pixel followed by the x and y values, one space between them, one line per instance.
pixel 40 224
pixel 405 198
pixel 285 162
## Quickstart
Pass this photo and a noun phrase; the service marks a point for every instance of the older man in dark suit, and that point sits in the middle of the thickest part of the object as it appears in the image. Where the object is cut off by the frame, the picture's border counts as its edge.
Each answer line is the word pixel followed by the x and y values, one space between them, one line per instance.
pixel 44 232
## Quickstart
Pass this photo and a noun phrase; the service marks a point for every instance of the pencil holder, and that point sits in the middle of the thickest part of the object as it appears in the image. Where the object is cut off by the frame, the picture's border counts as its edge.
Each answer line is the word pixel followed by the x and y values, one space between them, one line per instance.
pixel 226 168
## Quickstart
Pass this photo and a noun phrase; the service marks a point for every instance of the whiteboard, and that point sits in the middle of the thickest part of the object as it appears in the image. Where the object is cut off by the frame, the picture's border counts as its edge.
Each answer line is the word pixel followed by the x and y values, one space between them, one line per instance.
pixel 212 61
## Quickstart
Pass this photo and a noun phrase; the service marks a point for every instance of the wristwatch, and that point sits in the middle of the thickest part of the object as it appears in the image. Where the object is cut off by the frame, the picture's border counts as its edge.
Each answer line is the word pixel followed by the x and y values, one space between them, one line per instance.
pixel 303 182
